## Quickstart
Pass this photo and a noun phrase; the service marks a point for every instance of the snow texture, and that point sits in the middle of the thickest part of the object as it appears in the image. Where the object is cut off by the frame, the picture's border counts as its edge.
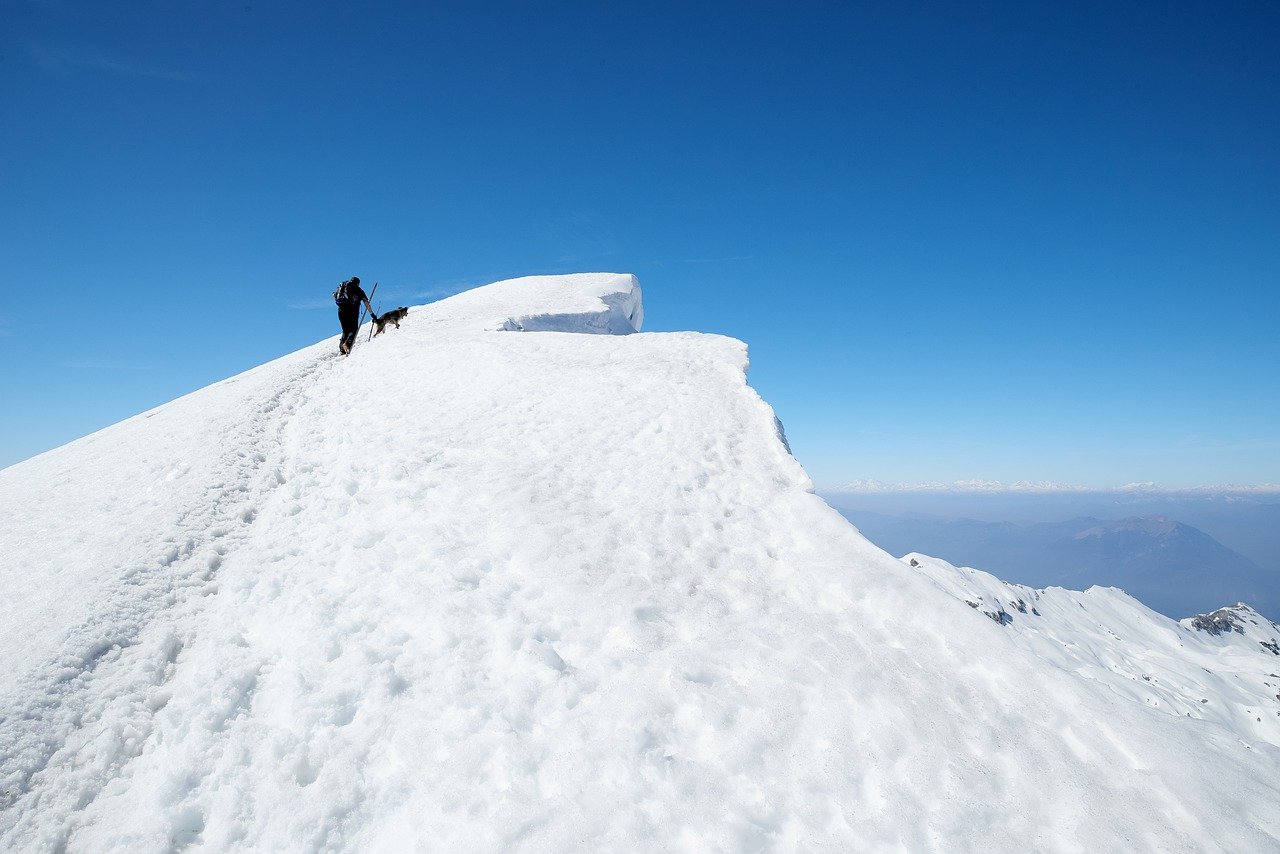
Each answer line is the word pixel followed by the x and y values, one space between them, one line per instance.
pixel 1221 667
pixel 478 590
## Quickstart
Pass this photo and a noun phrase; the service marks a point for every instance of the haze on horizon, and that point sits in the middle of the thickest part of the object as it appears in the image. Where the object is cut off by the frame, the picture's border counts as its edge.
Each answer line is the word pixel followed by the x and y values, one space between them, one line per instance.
pixel 1180 551
pixel 979 487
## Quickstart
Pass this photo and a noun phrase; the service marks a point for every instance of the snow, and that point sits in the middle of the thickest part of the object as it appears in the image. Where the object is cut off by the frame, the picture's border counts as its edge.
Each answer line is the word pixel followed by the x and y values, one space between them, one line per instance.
pixel 1225 670
pixel 494 590
pixel 606 303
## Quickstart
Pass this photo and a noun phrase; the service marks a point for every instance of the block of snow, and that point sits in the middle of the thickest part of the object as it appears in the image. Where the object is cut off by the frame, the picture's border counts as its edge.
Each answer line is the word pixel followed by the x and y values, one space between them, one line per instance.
pixel 601 303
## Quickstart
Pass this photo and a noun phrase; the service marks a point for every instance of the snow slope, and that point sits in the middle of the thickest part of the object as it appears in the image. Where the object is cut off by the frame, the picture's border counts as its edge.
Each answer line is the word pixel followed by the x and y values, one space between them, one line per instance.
pixel 1222 667
pixel 474 589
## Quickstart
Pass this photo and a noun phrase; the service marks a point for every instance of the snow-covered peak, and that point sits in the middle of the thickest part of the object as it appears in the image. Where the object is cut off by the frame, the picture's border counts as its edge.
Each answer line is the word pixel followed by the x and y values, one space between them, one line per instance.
pixel 475 590
pixel 607 303
pixel 1238 624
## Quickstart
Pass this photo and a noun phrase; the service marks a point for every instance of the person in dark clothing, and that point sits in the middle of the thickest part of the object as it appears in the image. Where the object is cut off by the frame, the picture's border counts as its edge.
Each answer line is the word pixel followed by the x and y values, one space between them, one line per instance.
pixel 349 296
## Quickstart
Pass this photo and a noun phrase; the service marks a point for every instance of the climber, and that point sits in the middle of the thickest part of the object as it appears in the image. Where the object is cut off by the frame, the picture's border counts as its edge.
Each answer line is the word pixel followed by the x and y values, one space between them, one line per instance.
pixel 348 296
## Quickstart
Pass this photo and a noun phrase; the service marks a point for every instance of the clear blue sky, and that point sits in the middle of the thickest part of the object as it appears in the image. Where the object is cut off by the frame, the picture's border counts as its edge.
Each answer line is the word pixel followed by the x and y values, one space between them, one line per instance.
pixel 1002 240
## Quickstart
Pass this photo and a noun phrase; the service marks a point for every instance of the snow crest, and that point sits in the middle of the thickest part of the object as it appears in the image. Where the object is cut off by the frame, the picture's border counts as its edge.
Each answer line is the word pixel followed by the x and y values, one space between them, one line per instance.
pixel 598 303
pixel 474 590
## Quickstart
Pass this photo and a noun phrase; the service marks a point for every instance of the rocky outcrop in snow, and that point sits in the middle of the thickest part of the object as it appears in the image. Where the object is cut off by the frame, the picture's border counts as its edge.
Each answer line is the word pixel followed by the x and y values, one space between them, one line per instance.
pixel 1241 620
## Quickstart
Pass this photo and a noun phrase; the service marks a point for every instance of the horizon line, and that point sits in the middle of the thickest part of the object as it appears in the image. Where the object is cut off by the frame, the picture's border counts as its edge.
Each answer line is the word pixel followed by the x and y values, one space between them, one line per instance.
pixel 1045 488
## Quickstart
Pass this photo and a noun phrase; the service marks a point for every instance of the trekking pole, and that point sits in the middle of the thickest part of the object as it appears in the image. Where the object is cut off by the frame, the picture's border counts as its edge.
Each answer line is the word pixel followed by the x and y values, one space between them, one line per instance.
pixel 371 293
pixel 372 325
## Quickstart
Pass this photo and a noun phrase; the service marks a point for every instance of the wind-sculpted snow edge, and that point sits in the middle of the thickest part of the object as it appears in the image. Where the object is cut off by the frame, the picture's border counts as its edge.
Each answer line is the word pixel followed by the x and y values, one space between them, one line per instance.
pixel 591 303
pixel 623 314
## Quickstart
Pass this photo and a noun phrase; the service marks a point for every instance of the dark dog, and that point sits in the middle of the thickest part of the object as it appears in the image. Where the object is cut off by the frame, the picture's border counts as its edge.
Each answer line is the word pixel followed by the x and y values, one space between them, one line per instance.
pixel 394 316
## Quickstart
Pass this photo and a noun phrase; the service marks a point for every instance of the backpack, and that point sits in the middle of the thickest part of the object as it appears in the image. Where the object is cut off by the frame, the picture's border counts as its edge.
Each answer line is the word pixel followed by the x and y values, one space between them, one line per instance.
pixel 342 297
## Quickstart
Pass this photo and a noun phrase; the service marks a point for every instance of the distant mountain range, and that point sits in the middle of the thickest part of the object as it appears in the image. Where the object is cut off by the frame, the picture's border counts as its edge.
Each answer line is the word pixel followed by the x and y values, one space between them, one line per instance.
pixel 1169 566
pixel 1246 520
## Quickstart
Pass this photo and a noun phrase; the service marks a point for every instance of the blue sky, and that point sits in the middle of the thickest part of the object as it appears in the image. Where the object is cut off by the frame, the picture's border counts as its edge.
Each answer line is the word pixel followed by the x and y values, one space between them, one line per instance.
pixel 999 241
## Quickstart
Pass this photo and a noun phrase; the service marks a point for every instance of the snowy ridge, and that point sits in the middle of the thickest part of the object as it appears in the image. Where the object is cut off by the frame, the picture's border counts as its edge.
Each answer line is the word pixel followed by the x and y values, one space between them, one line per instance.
pixel 1238 624
pixel 1223 667
pixel 122 542
pixel 600 303
pixel 493 591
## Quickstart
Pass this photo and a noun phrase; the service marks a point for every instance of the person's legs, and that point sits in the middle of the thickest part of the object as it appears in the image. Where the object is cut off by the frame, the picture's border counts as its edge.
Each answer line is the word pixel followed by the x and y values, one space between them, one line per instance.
pixel 350 320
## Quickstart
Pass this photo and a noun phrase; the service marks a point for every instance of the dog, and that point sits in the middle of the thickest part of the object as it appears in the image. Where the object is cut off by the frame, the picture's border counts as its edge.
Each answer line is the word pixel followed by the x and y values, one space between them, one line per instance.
pixel 394 316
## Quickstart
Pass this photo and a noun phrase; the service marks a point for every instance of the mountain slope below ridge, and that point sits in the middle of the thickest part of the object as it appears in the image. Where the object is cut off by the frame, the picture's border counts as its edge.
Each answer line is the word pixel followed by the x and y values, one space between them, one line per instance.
pixel 1223 667
pixel 542 590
